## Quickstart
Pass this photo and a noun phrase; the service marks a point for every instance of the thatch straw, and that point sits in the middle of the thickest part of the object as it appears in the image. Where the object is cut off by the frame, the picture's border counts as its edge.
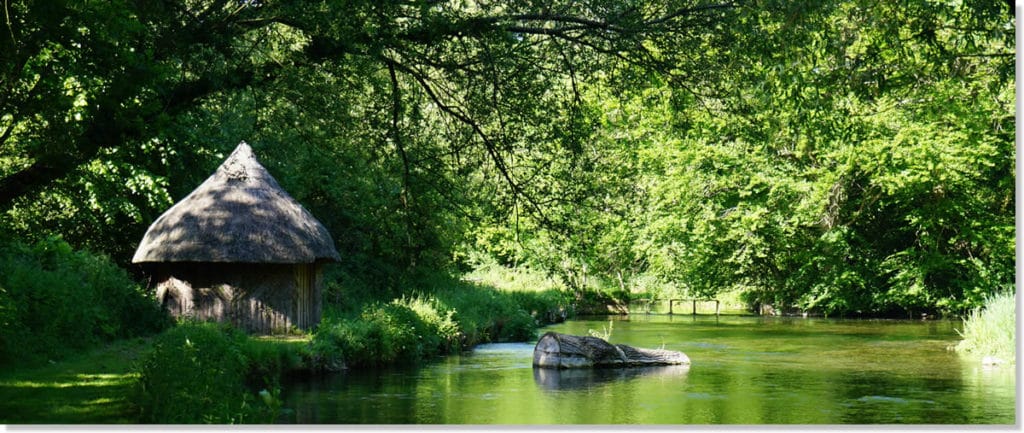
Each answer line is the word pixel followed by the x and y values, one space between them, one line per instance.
pixel 240 214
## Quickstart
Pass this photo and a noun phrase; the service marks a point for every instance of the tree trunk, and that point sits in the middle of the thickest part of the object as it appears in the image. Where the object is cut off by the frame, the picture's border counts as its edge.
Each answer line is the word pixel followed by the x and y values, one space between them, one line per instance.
pixel 569 351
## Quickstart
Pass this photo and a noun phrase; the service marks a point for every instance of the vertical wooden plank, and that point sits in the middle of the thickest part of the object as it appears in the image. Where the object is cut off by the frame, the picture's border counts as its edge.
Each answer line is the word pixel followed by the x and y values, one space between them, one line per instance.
pixel 304 298
pixel 300 272
pixel 317 294
pixel 307 295
pixel 297 295
pixel 304 307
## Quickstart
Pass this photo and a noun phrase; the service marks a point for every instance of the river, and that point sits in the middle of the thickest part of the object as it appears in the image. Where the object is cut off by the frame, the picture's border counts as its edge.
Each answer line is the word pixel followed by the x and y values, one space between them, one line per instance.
pixel 745 370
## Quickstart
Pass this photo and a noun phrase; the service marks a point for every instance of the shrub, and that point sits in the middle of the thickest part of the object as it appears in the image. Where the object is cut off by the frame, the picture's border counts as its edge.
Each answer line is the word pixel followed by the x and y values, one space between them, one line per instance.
pixel 392 334
pixel 433 323
pixel 485 314
pixel 54 300
pixel 443 315
pixel 267 360
pixel 405 330
pixel 197 373
pixel 411 329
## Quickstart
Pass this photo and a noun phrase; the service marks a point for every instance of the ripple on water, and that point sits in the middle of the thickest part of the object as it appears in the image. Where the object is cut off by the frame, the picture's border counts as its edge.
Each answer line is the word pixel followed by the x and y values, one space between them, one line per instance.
pixel 890 400
pixel 704 396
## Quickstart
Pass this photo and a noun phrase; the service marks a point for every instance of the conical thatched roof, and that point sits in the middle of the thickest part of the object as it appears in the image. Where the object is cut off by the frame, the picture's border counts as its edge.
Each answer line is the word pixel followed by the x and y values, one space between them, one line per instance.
pixel 240 215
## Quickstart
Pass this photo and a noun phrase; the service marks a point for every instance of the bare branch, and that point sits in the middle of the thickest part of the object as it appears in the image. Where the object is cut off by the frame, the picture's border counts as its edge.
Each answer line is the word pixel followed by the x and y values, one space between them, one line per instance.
pixel 489 145
pixel 688 11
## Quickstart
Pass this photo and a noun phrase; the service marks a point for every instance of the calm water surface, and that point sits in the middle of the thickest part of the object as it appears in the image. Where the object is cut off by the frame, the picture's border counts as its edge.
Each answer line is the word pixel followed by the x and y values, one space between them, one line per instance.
pixel 746 370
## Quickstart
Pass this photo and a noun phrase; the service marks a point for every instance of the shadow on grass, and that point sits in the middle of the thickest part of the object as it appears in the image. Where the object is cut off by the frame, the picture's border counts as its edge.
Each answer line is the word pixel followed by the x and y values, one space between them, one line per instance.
pixel 88 388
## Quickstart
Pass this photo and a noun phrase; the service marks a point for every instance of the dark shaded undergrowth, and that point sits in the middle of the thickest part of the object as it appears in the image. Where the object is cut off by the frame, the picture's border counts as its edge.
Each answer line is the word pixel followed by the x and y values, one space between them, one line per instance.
pixel 55 302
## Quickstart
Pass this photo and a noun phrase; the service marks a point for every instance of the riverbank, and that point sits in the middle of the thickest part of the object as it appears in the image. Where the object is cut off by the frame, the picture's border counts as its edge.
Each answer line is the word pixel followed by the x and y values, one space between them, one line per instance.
pixel 235 378
pixel 208 373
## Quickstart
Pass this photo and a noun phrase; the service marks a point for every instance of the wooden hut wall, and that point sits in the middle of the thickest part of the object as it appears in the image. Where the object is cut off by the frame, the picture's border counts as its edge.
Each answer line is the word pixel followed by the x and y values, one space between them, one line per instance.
pixel 307 295
pixel 260 298
pixel 305 278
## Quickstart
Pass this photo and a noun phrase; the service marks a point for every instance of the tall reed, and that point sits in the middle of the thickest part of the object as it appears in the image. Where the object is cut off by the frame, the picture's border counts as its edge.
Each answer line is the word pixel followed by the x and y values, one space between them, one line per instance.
pixel 991 330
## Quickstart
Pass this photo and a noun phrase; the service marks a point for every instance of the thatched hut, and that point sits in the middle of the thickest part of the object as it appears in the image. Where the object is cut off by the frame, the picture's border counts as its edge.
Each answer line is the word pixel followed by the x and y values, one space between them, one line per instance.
pixel 239 249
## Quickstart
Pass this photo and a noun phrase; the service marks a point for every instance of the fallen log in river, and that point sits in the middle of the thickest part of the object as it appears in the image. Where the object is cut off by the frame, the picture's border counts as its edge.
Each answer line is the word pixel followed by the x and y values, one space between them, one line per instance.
pixel 555 350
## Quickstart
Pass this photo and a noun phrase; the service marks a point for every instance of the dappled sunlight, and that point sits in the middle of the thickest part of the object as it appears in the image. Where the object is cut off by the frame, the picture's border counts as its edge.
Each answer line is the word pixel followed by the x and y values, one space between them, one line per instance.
pixel 90 401
pixel 239 214
pixel 79 380
pixel 88 388
pixel 96 410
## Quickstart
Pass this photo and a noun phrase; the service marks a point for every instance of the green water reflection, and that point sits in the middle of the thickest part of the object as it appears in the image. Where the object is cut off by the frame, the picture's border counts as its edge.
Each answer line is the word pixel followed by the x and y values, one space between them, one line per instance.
pixel 746 370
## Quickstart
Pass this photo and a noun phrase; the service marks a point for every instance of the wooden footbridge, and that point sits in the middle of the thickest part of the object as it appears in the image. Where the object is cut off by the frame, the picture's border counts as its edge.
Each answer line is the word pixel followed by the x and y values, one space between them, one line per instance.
pixel 673 302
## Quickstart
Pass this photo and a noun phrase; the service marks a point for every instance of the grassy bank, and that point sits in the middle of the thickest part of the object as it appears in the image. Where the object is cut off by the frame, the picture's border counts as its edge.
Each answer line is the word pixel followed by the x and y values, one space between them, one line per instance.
pixel 102 385
pixel 204 373
pixel 990 331
pixel 436 321
pixel 86 388
pixel 212 373
pixel 208 373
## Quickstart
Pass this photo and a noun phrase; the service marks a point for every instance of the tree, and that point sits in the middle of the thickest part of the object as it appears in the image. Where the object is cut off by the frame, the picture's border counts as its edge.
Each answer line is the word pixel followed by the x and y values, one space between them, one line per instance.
pixel 854 158
pixel 407 100
pixel 836 176
pixel 844 156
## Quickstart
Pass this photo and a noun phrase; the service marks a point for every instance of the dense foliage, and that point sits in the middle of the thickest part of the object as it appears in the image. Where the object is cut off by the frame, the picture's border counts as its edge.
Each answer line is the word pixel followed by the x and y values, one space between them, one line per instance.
pixel 857 159
pixel 54 301
pixel 839 157
pixel 850 157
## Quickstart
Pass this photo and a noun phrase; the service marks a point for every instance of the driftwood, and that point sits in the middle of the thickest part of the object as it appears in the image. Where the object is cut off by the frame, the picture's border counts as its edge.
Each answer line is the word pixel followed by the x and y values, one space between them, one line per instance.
pixel 556 350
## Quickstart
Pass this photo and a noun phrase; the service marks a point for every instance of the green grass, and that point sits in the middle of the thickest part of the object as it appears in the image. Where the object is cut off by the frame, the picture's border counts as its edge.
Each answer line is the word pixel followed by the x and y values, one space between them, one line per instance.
pixel 731 301
pixel 990 331
pixel 94 387
pixel 87 388
pixel 522 279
